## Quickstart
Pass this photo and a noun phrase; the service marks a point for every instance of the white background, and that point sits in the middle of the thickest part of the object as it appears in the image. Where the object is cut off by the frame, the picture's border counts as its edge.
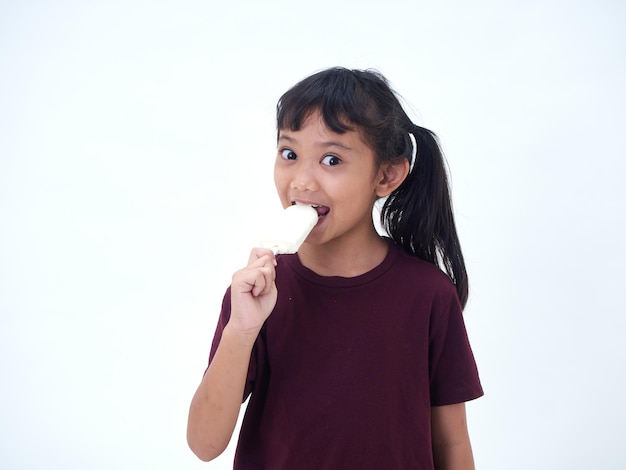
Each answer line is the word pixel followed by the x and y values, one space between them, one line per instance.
pixel 136 151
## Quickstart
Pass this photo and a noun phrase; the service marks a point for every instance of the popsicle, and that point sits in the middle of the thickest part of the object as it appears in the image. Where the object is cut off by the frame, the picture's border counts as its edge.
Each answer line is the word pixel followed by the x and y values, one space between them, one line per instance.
pixel 290 229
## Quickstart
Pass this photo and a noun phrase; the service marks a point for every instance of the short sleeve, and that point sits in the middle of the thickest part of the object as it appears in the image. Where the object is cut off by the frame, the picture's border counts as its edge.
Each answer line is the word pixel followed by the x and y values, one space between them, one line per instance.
pixel 221 324
pixel 453 373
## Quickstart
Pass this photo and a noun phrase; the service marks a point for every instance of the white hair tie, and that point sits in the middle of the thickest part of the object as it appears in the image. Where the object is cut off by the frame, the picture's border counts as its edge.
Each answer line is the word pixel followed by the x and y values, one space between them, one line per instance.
pixel 413 152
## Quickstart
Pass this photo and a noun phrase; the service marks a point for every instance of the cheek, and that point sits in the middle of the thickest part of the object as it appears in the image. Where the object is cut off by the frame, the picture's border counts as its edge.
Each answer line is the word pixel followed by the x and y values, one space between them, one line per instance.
pixel 278 174
pixel 279 179
pixel 281 183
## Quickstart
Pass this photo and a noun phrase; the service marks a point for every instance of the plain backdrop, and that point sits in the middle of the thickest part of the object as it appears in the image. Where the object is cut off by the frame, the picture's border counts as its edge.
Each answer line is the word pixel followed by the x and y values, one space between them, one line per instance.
pixel 136 148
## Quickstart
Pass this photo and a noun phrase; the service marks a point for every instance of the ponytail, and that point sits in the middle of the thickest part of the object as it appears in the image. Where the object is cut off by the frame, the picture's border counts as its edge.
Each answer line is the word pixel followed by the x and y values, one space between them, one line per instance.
pixel 418 215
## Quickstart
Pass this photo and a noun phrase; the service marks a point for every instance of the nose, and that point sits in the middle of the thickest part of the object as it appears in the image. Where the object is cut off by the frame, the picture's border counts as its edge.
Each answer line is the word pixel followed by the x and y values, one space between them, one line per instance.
pixel 304 178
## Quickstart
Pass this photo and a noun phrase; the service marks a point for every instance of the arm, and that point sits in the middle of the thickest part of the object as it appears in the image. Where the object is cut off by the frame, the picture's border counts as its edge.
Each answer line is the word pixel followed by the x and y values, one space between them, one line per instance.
pixel 215 406
pixel 452 449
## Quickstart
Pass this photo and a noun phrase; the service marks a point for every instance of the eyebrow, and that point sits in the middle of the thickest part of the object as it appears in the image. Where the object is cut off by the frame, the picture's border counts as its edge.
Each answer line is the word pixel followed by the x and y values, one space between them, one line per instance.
pixel 327 143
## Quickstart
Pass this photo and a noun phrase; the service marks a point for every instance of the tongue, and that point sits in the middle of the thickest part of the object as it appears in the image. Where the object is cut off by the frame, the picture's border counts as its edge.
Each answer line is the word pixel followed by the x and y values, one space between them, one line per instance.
pixel 322 210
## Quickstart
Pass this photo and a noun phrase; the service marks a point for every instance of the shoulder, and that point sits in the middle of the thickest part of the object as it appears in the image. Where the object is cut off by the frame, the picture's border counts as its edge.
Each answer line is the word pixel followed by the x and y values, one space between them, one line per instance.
pixel 424 286
pixel 425 273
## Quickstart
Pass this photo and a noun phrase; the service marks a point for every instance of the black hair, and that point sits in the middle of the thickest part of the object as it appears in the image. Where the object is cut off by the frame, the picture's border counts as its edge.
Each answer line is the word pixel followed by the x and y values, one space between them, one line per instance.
pixel 418 215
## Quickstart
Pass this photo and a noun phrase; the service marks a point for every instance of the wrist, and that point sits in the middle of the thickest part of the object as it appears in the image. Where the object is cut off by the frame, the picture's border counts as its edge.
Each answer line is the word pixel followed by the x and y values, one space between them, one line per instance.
pixel 239 335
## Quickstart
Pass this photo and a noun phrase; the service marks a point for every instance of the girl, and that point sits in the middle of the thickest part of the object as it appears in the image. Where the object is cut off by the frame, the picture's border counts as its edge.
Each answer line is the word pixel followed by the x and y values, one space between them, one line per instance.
pixel 353 351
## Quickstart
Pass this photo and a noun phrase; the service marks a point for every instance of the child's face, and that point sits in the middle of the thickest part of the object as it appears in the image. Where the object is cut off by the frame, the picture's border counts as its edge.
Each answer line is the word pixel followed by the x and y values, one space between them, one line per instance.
pixel 335 172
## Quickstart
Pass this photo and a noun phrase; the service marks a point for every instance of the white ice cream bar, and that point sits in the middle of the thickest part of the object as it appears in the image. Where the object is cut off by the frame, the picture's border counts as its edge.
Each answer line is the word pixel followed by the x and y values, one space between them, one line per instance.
pixel 291 229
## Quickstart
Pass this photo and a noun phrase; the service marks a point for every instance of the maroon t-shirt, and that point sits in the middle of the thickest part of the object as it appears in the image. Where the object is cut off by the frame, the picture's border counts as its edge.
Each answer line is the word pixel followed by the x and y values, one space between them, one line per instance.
pixel 345 370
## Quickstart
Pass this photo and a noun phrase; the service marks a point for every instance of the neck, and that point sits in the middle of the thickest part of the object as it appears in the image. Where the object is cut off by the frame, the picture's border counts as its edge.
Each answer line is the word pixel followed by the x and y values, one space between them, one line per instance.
pixel 344 259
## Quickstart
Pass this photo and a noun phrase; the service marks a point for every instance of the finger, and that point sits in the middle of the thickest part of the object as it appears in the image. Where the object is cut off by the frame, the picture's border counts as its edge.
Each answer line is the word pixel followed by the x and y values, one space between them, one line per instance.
pixel 261 253
pixel 256 280
pixel 265 282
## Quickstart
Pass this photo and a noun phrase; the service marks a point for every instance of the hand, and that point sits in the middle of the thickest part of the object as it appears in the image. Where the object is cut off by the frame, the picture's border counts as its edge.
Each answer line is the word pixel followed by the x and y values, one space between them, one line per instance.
pixel 253 292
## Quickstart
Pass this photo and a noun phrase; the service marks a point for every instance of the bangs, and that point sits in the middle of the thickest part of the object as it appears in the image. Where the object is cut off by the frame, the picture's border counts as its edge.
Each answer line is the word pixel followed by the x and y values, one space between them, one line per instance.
pixel 349 100
pixel 337 94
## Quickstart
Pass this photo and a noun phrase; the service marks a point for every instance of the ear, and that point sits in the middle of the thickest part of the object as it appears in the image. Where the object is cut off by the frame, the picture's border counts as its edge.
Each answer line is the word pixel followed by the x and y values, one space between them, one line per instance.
pixel 390 176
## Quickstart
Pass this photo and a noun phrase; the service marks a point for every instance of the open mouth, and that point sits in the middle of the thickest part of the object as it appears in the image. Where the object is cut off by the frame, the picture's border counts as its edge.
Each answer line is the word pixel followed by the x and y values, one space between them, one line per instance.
pixel 321 210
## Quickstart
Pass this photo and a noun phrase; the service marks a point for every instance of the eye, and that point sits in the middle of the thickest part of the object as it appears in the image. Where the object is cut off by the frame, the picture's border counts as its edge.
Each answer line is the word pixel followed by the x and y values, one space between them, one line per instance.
pixel 288 154
pixel 331 160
